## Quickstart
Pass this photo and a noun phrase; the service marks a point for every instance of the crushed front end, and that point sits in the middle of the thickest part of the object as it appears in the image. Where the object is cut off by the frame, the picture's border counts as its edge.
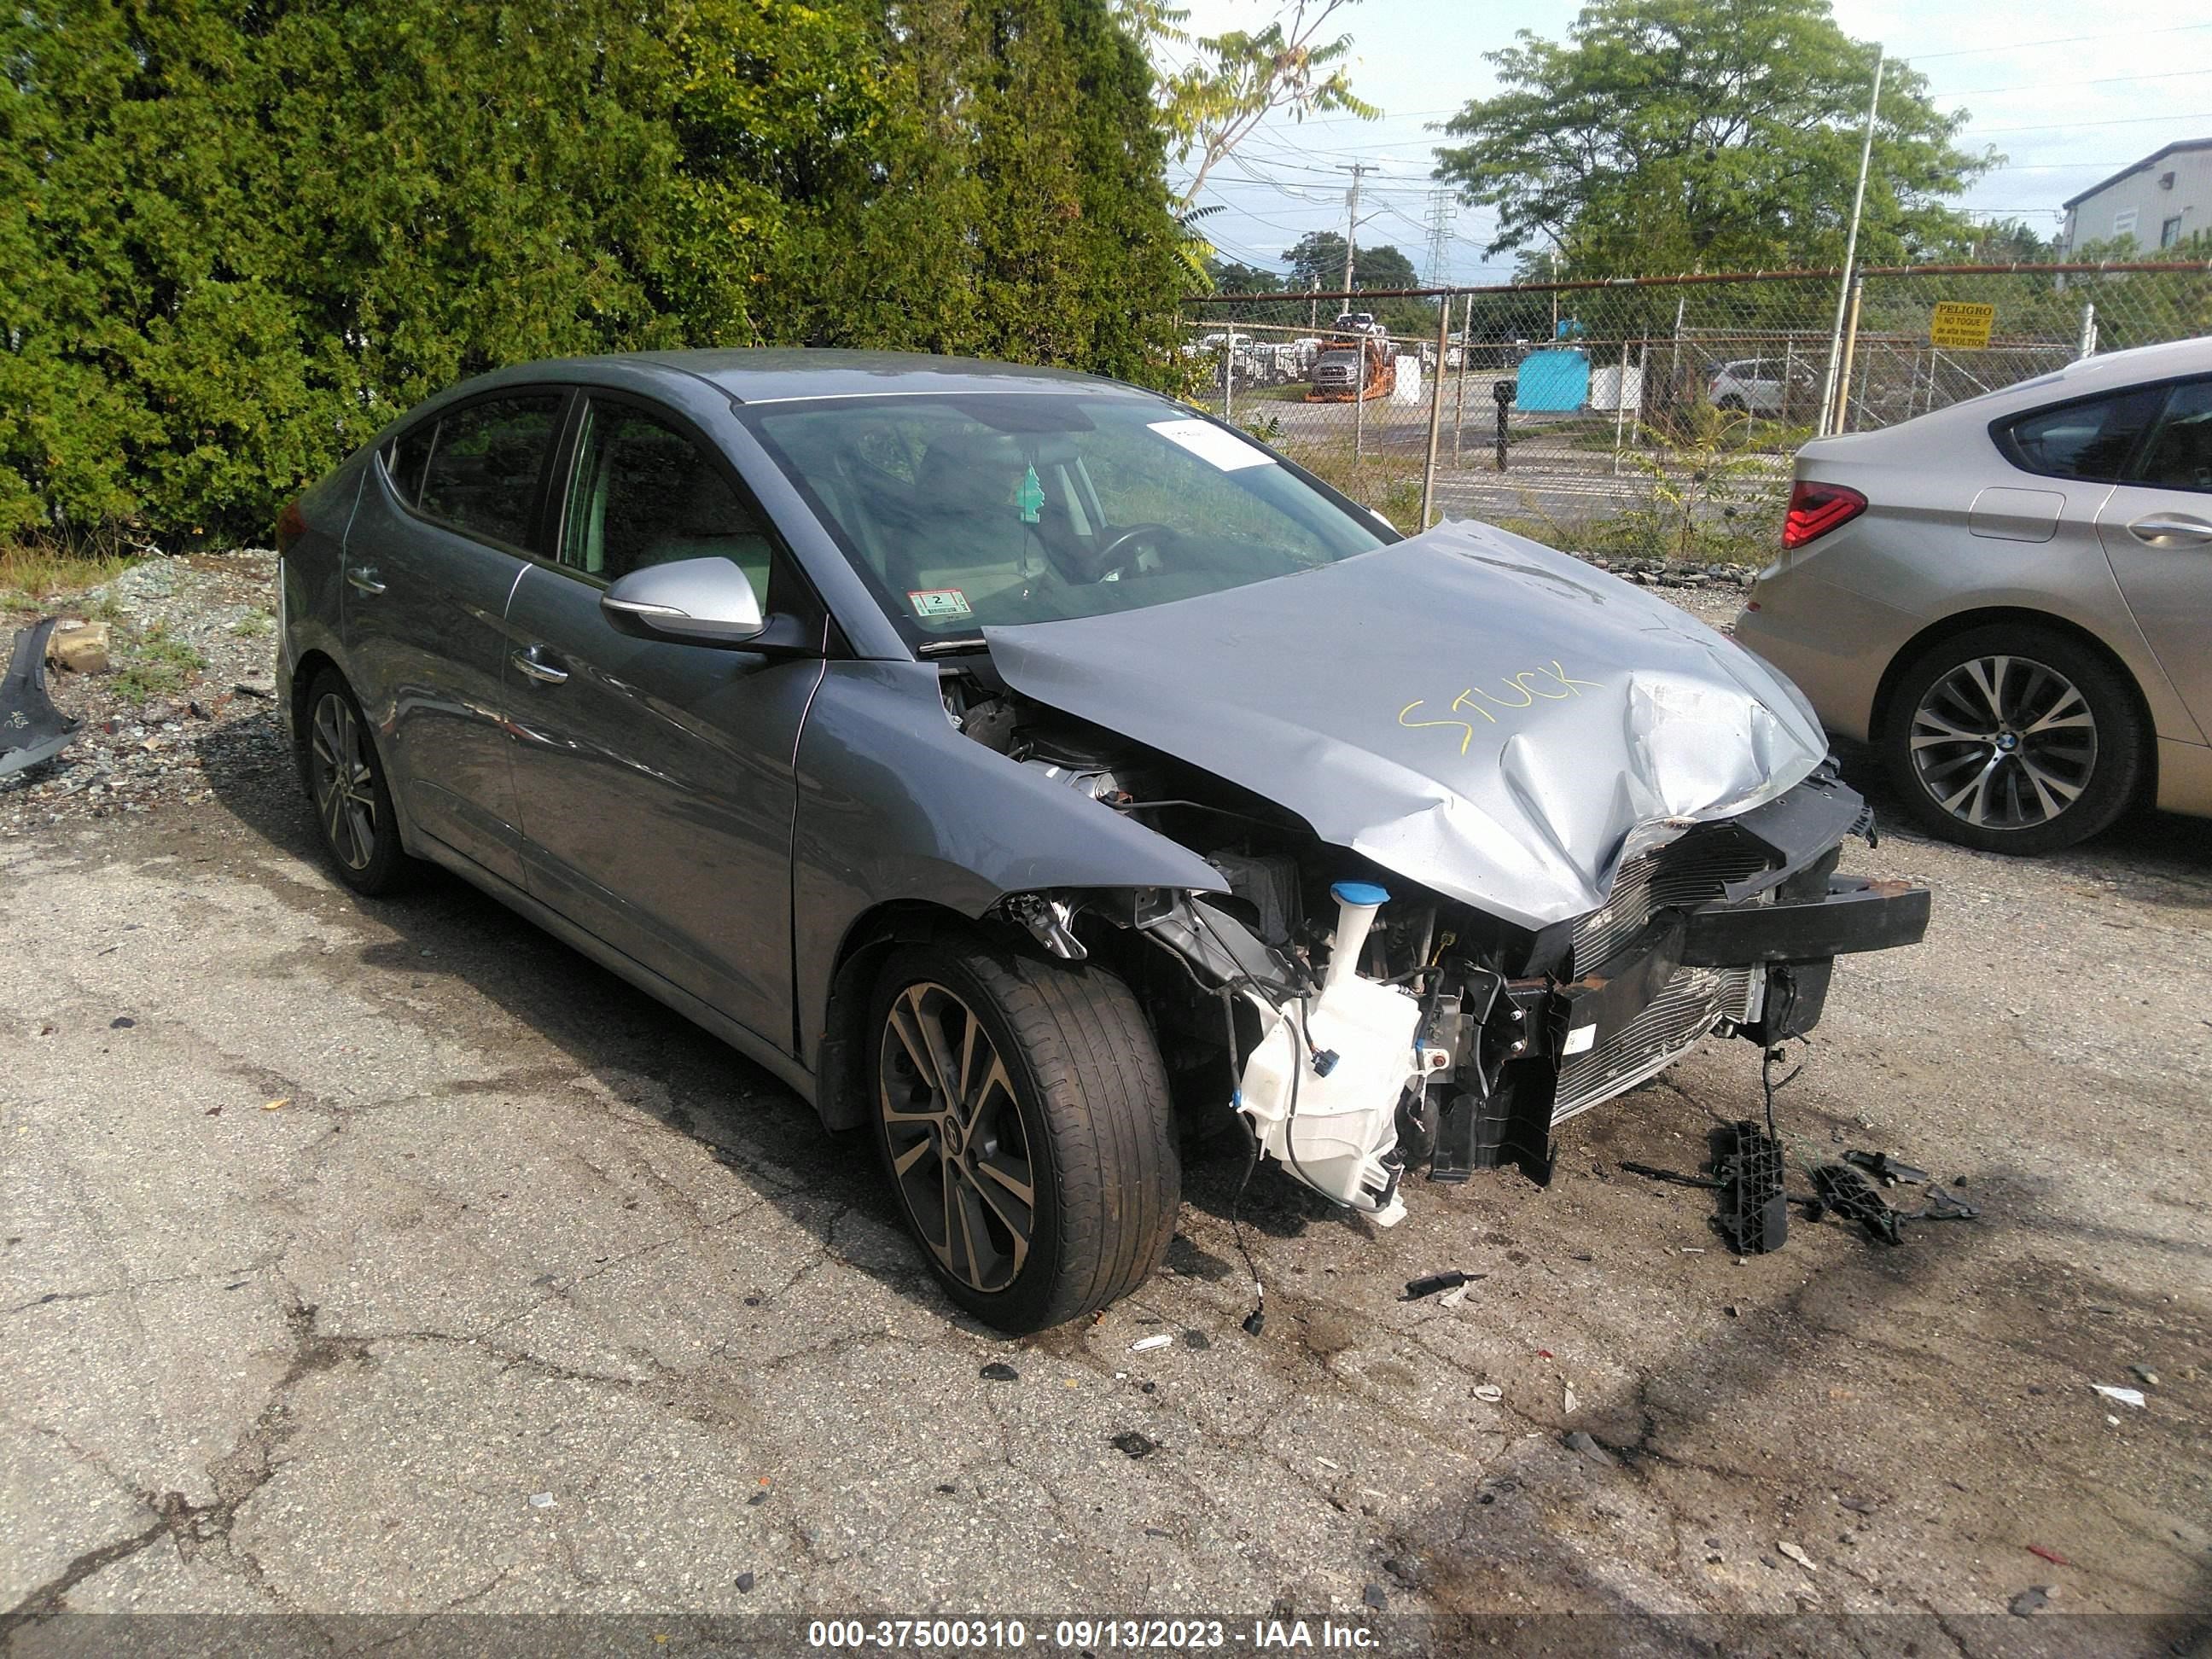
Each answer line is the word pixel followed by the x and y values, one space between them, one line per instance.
pixel 1396 1031
pixel 1368 1029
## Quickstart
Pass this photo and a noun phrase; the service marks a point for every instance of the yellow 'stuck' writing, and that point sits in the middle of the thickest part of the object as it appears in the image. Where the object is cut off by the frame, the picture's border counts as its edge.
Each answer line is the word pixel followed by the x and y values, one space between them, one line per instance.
pixel 1552 683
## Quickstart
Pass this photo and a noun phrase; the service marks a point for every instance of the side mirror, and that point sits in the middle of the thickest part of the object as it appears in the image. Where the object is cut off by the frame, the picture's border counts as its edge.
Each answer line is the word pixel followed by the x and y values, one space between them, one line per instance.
pixel 694 601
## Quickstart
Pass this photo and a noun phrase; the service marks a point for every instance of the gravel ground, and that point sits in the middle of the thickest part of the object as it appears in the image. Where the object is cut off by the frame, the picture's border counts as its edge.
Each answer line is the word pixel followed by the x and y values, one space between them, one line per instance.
pixel 389 1257
pixel 193 644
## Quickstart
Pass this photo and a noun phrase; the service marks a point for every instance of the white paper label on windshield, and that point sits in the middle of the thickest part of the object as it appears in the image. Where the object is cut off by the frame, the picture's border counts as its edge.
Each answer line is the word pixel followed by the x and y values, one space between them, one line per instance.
pixel 1216 447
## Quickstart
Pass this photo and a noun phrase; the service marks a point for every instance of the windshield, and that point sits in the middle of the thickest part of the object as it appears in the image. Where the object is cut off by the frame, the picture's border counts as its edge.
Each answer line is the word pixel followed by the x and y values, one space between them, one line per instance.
pixel 1011 507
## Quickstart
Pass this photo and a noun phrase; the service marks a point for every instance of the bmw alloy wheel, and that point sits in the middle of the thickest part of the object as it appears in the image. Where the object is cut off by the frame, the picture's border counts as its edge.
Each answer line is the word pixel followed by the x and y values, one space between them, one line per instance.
pixel 2003 742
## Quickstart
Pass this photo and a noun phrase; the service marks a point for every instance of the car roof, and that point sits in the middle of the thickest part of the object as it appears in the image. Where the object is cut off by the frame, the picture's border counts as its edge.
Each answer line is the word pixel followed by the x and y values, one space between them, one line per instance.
pixel 784 374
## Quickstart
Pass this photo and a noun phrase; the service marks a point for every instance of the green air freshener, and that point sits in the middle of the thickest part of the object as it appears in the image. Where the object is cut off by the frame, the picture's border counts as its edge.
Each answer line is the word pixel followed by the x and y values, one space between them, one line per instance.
pixel 1030 498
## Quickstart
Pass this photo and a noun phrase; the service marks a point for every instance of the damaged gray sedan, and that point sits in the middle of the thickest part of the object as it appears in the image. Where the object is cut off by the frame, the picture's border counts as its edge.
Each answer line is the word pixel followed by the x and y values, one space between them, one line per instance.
pixel 1024 767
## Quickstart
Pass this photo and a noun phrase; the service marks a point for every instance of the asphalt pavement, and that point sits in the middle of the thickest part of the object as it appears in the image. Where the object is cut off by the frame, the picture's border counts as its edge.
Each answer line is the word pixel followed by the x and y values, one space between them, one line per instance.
pixel 389 1257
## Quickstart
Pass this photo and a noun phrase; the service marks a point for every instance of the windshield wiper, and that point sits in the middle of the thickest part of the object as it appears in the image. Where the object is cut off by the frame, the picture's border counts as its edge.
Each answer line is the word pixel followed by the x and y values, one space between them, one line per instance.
pixel 948 647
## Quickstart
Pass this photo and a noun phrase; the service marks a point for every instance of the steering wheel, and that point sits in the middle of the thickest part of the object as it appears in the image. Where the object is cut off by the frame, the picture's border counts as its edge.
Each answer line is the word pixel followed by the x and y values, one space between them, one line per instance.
pixel 1114 556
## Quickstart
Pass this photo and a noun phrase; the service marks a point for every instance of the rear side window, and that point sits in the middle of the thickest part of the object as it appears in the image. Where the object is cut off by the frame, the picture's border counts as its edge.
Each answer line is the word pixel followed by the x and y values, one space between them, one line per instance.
pixel 485 462
pixel 2179 454
pixel 2091 440
pixel 404 458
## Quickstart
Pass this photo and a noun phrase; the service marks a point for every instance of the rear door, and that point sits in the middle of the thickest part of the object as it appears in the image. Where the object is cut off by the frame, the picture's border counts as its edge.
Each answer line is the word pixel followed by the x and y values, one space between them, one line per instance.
pixel 655 780
pixel 442 532
pixel 2156 528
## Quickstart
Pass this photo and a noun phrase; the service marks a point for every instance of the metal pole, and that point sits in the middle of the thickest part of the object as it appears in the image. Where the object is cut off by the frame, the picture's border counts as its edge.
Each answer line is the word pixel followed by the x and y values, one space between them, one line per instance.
pixel 1229 379
pixel 1838 418
pixel 1619 407
pixel 1359 405
pixel 2088 330
pixel 1828 390
pixel 1675 364
pixel 1436 408
pixel 1459 394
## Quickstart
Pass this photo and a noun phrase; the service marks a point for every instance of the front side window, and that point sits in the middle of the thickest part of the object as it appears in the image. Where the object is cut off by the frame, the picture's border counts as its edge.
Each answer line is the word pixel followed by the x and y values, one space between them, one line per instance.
pixel 968 510
pixel 484 465
pixel 644 493
pixel 2178 454
pixel 2091 440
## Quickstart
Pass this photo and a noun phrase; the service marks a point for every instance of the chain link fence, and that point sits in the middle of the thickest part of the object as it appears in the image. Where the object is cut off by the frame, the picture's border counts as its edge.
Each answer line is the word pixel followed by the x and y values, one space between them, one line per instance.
pixel 1653 417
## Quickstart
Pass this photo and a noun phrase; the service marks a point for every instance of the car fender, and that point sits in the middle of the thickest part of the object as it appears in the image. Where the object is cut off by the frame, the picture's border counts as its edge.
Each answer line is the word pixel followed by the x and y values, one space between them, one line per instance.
pixel 896 807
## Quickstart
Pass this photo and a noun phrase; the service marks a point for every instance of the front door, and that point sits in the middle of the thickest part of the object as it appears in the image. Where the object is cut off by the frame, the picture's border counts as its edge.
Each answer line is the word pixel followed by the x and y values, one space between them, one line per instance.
pixel 431 557
pixel 656 780
pixel 2156 526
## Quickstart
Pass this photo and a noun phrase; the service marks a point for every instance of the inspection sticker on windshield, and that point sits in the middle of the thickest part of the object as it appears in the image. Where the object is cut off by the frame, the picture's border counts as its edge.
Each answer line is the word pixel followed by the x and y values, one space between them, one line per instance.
pixel 939 602
pixel 1224 450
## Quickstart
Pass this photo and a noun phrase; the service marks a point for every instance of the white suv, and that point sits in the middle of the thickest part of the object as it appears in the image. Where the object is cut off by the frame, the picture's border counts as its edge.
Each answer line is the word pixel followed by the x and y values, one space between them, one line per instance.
pixel 1751 385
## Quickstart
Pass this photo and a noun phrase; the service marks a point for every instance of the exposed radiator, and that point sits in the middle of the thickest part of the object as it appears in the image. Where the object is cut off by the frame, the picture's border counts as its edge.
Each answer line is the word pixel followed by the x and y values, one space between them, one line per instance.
pixel 1689 1006
pixel 1687 870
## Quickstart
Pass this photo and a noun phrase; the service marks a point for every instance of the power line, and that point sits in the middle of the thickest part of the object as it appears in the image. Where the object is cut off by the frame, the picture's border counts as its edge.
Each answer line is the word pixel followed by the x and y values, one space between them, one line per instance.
pixel 2123 121
pixel 2048 86
pixel 2058 40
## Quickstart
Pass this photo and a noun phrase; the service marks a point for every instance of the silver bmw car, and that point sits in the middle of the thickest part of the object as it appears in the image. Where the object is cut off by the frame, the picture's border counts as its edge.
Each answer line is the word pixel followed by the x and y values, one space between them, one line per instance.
pixel 1022 767
pixel 2012 599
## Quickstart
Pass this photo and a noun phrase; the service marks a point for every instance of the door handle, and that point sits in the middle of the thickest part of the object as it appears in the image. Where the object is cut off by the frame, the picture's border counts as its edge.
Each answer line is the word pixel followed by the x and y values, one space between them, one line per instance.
pixel 2178 530
pixel 363 576
pixel 537 668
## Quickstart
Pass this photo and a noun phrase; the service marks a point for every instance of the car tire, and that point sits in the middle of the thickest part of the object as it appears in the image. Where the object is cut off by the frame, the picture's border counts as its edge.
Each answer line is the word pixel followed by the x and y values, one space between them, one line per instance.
pixel 1059 1056
pixel 351 796
pixel 2049 745
pixel 1731 405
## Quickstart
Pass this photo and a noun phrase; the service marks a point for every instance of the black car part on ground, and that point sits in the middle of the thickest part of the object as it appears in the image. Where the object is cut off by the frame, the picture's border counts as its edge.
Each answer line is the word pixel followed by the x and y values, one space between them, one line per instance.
pixel 1754 1217
pixel 31 728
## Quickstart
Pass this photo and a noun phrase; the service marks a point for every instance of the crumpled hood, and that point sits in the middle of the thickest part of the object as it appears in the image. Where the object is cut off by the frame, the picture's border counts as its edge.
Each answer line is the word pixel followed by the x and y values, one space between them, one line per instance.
pixel 1493 720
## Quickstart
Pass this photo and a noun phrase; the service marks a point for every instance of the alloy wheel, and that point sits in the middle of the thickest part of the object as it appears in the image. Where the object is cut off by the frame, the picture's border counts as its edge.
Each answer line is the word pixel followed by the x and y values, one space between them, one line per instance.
pixel 344 781
pixel 2003 742
pixel 959 1155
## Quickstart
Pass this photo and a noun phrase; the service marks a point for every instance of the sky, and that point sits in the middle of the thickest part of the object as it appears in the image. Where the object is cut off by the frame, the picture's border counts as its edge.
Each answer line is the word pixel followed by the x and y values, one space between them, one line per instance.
pixel 2064 111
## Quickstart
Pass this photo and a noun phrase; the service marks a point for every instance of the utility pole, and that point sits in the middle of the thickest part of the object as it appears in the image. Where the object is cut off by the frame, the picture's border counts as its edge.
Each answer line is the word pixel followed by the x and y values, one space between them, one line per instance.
pixel 1357 170
pixel 1831 393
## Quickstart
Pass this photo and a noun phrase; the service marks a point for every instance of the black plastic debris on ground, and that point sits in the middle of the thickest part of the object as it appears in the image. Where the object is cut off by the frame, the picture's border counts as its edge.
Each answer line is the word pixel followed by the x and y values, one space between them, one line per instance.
pixel 1130 1443
pixel 999 1371
pixel 31 728
pixel 1841 1189
pixel 1430 1284
pixel 1887 1170
pixel 1754 1214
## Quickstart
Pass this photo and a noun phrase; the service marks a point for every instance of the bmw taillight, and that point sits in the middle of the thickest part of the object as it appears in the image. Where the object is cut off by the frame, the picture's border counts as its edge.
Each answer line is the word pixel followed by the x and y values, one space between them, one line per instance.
pixel 291 525
pixel 1817 509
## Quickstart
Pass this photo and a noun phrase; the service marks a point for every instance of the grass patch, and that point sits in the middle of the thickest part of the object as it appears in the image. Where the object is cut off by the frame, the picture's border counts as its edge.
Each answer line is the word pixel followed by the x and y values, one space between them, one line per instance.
pixel 35 577
pixel 254 625
pixel 155 663
pixel 1391 485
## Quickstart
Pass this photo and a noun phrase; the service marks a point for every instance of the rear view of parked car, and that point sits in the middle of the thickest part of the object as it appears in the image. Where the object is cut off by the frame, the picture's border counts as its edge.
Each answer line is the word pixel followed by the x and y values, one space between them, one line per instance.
pixel 1022 766
pixel 2012 600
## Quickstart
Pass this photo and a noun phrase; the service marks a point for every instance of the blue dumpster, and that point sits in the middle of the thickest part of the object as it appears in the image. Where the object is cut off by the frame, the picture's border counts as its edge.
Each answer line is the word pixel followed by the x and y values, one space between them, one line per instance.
pixel 1555 381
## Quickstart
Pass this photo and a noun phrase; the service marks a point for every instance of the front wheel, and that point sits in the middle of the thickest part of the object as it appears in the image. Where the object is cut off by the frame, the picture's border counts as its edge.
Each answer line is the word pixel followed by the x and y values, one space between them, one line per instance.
pixel 2014 740
pixel 1023 1119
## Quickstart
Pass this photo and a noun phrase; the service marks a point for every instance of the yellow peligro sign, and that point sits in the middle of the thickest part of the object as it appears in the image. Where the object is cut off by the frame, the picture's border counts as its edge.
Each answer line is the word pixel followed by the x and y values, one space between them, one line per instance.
pixel 1961 326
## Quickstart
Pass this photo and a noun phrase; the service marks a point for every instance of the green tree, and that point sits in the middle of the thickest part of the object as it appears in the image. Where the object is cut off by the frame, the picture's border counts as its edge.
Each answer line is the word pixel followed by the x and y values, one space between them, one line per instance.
pixel 1234 81
pixel 240 235
pixel 1667 135
pixel 1318 261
